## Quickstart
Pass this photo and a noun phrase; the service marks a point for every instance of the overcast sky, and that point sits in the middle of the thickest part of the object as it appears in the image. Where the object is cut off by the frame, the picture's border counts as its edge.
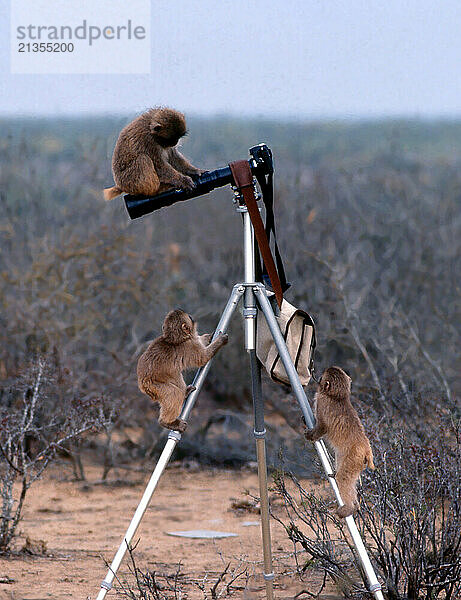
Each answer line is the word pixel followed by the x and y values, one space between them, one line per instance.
pixel 311 58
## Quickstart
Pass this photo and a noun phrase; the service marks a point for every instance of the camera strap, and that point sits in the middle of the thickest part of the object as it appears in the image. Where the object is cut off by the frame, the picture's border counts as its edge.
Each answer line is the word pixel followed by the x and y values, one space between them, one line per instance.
pixel 243 178
pixel 267 189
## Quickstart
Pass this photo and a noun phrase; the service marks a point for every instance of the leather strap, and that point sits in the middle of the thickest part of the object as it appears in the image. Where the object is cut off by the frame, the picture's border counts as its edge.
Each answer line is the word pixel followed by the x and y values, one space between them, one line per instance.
pixel 267 189
pixel 243 179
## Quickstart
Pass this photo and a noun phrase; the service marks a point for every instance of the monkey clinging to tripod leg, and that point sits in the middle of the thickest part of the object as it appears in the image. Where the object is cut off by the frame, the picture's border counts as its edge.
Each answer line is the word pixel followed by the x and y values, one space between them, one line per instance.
pixel 339 422
pixel 160 367
pixel 146 160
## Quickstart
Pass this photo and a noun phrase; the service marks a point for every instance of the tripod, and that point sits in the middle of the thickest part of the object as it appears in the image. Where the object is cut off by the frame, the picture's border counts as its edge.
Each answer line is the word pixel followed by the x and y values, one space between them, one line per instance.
pixel 254 298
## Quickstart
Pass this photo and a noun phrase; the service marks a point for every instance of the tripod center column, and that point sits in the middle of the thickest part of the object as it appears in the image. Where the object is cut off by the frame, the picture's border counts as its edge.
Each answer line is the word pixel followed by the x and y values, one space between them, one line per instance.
pixel 249 304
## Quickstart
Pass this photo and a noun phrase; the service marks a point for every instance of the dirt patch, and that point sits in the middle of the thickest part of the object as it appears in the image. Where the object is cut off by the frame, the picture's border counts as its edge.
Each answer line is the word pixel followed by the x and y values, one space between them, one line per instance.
pixel 69 528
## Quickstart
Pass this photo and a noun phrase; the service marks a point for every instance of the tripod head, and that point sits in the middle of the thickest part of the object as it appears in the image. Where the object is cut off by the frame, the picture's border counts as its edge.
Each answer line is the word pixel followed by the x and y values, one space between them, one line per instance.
pixel 261 164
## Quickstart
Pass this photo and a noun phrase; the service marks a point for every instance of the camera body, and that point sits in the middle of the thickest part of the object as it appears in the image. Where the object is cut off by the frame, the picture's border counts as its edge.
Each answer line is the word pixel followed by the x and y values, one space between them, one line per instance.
pixel 263 161
pixel 261 164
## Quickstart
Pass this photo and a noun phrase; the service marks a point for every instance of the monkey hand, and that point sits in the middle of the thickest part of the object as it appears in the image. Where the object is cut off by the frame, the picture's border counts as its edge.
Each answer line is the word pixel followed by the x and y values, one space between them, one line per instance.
pixel 195 173
pixel 311 435
pixel 307 435
pixel 189 390
pixel 186 183
pixel 206 338
pixel 223 338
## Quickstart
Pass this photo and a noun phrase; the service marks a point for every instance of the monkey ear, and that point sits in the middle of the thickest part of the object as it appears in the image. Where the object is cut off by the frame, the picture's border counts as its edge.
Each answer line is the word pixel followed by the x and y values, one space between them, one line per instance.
pixel 155 127
pixel 327 385
pixel 185 327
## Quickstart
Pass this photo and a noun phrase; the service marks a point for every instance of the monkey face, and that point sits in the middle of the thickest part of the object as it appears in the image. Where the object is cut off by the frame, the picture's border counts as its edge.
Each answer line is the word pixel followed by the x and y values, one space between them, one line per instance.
pixel 178 327
pixel 168 126
pixel 335 382
pixel 167 142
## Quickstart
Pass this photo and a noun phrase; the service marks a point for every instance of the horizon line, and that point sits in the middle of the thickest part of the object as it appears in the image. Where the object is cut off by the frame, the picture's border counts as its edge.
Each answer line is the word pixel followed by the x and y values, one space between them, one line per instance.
pixel 281 117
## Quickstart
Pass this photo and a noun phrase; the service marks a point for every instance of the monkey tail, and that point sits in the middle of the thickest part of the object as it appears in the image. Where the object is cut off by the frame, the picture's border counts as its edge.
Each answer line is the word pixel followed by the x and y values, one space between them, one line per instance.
pixel 111 193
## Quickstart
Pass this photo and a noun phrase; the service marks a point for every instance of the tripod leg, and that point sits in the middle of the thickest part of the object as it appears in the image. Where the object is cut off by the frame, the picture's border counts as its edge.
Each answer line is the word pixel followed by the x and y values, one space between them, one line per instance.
pixel 173 439
pixel 298 390
pixel 260 434
pixel 234 299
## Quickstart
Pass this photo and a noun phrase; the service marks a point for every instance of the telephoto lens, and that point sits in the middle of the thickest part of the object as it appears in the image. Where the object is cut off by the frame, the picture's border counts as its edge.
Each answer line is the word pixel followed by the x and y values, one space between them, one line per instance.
pixel 260 164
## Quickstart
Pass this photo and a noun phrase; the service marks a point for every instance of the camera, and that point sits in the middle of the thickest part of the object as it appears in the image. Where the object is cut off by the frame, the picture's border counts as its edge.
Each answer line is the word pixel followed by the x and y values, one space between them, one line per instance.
pixel 262 159
pixel 261 164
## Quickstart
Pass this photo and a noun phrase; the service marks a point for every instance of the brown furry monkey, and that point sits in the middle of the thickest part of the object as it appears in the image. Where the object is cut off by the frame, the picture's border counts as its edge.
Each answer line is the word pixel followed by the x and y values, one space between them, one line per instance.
pixel 146 161
pixel 339 422
pixel 160 367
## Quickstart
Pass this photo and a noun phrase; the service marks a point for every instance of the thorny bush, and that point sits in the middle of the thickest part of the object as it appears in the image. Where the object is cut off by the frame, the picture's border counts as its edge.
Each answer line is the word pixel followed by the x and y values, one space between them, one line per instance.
pixel 37 420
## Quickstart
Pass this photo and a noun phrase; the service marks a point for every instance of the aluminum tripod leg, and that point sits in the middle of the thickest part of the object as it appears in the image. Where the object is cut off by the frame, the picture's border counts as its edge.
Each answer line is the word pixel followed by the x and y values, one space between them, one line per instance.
pixel 249 313
pixel 260 434
pixel 373 584
pixel 173 439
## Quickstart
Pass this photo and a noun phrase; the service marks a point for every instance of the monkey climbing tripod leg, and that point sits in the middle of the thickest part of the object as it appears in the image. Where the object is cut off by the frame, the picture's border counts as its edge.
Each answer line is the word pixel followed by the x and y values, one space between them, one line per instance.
pixel 173 439
pixel 373 584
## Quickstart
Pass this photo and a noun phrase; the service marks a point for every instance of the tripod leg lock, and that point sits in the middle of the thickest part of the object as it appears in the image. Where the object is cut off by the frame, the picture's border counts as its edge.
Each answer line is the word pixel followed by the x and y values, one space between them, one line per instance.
pixel 105 585
pixel 174 435
pixel 269 576
pixel 250 312
pixel 375 588
pixel 259 434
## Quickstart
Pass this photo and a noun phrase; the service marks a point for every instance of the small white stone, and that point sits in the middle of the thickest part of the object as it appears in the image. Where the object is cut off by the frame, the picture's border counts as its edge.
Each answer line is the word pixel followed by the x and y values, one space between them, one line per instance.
pixel 201 534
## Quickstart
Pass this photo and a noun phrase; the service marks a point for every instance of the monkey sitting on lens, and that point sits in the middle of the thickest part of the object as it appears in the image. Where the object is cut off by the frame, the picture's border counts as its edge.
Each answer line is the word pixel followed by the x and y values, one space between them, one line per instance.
pixel 339 422
pixel 146 161
pixel 160 368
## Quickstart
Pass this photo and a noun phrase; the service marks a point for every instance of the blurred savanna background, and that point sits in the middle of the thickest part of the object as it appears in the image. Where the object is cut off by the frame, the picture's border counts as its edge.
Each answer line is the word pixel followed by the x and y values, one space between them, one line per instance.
pixel 368 220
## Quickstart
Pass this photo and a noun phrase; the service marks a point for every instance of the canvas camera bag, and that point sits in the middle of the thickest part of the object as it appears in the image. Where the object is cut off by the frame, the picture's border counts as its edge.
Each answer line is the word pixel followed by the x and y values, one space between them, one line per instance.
pixel 298 331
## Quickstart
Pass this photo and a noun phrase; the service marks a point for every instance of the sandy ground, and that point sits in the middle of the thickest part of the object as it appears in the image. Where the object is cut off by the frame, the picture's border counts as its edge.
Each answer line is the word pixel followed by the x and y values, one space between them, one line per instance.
pixel 83 523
